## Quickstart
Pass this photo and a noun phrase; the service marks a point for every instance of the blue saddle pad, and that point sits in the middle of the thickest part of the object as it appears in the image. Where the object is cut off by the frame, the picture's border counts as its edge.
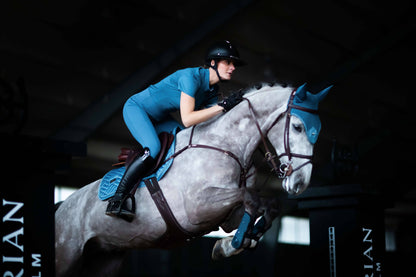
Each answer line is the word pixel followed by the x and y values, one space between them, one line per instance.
pixel 109 183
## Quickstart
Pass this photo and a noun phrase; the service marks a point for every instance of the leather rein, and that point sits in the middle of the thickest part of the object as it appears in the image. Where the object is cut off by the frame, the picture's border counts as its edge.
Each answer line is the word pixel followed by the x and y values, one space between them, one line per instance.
pixel 282 170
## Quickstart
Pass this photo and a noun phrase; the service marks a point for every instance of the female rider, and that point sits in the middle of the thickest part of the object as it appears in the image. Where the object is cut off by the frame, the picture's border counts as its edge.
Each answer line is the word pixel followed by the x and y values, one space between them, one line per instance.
pixel 192 92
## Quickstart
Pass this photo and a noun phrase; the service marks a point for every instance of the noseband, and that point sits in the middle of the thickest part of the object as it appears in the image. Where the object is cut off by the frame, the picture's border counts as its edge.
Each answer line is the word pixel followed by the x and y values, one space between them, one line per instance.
pixel 282 170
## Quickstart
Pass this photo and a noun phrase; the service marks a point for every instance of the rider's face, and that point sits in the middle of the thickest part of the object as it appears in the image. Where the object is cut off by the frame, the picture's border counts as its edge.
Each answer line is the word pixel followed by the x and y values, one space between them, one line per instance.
pixel 225 69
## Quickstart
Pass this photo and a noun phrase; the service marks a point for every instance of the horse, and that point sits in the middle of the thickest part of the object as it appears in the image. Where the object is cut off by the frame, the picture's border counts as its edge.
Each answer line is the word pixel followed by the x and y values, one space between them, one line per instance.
pixel 211 183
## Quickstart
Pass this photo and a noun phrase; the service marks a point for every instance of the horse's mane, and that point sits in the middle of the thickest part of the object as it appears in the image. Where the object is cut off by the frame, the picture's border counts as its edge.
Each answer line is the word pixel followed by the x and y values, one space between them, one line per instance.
pixel 248 92
pixel 260 87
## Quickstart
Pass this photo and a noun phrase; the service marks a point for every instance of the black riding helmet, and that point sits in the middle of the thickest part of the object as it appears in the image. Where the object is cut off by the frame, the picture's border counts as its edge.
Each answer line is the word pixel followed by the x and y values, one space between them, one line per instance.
pixel 223 50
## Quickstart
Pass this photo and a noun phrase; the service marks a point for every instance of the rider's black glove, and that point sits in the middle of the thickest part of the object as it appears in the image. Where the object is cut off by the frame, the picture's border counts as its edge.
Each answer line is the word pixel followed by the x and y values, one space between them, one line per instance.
pixel 231 101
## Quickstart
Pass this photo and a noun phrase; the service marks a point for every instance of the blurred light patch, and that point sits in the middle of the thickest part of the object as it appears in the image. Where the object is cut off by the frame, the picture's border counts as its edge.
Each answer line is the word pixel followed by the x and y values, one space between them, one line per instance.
pixel 294 230
pixel 62 193
pixel 219 234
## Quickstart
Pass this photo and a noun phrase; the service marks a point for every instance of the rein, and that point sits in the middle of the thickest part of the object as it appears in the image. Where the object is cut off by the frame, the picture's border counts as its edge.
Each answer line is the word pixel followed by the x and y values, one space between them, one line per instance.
pixel 243 170
pixel 282 170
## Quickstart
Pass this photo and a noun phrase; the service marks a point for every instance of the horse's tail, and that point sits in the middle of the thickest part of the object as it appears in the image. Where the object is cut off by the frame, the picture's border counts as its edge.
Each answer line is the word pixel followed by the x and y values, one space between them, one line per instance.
pixel 57 205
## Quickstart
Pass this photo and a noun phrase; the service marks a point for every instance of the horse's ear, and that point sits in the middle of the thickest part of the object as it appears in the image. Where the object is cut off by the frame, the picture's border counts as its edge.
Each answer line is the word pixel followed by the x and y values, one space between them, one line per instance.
pixel 321 95
pixel 301 93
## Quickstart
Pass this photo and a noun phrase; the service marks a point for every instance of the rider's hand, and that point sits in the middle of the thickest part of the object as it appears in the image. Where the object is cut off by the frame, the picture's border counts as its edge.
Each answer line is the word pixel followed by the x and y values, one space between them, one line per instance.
pixel 231 101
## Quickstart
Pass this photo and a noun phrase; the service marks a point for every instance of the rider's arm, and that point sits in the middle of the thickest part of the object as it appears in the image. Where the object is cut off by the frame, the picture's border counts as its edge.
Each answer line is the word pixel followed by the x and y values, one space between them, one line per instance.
pixel 191 117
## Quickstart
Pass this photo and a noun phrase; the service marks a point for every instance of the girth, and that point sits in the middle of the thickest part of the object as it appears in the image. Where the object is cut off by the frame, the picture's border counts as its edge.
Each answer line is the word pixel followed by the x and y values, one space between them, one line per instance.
pixel 174 234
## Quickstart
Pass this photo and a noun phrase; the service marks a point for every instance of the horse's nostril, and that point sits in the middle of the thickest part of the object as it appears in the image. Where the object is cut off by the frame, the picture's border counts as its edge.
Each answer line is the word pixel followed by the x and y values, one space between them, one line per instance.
pixel 298 186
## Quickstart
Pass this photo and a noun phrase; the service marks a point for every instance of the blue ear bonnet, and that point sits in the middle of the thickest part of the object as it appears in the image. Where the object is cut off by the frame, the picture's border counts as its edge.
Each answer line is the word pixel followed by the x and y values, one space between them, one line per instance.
pixel 304 105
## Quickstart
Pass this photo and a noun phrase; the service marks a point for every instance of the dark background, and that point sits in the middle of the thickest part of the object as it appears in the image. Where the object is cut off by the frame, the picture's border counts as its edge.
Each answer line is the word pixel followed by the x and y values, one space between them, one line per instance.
pixel 67 67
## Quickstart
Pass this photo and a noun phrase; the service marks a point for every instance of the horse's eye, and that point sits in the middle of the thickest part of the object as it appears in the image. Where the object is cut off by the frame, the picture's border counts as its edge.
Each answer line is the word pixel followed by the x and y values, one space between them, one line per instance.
pixel 297 127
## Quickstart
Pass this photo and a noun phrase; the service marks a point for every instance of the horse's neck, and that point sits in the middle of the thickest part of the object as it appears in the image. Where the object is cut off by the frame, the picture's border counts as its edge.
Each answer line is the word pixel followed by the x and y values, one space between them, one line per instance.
pixel 236 131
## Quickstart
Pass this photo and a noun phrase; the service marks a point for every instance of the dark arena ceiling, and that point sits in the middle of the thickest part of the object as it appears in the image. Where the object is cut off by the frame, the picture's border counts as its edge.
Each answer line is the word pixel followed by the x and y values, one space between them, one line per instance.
pixel 68 66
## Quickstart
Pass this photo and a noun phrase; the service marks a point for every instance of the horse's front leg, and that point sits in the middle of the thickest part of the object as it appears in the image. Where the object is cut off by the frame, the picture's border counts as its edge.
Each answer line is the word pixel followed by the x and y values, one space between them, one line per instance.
pixel 271 211
pixel 242 239
pixel 248 233
pixel 252 203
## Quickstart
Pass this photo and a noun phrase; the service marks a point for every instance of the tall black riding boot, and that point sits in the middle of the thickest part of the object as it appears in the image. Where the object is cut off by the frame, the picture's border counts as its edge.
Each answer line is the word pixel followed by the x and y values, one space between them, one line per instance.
pixel 138 169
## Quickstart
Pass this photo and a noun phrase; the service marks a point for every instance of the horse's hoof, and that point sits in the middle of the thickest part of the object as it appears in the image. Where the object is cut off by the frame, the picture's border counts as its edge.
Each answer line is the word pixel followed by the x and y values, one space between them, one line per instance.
pixel 253 245
pixel 217 253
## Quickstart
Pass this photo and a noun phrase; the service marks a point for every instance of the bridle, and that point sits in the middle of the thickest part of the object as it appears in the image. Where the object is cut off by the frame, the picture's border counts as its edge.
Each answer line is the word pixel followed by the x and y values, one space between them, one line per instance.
pixel 282 170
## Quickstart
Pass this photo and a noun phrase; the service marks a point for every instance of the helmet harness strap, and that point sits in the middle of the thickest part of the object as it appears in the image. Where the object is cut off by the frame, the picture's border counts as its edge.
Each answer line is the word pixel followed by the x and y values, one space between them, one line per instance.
pixel 215 67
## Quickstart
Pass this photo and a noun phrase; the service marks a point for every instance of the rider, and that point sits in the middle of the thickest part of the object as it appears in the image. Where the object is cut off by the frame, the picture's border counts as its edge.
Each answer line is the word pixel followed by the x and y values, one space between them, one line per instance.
pixel 192 92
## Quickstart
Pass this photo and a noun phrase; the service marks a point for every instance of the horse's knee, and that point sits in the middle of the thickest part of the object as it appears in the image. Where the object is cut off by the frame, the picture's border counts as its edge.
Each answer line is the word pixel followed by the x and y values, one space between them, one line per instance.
pixel 251 202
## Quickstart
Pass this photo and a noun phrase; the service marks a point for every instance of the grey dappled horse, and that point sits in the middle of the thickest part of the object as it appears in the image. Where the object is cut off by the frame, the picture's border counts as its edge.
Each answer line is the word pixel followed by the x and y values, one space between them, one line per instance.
pixel 204 188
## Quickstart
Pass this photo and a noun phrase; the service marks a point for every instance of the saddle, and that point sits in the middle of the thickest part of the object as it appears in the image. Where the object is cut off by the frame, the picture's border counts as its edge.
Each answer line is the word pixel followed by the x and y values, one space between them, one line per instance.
pixel 127 155
pixel 111 179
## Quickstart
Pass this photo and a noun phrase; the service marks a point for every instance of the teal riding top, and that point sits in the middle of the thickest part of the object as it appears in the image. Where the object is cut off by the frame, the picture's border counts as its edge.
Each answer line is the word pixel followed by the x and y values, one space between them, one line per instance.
pixel 147 113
